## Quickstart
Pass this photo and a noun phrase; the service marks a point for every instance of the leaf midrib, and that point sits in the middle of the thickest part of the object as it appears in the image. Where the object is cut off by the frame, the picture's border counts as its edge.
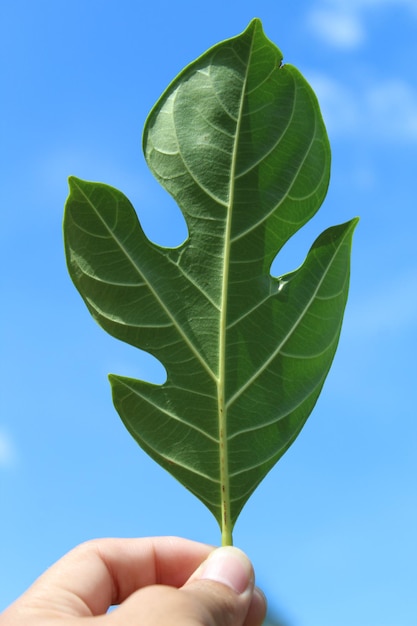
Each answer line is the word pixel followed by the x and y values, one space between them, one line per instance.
pixel 226 513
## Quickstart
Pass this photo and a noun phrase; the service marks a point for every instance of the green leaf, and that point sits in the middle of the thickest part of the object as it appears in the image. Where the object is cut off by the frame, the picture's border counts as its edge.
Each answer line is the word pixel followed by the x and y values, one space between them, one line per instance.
pixel 238 140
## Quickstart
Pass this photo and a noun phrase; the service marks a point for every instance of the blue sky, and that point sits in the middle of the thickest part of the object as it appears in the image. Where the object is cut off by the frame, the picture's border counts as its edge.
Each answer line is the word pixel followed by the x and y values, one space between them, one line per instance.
pixel 332 529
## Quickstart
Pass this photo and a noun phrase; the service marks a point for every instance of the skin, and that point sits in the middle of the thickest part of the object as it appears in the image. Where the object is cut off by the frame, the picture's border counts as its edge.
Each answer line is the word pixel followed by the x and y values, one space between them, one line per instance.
pixel 160 581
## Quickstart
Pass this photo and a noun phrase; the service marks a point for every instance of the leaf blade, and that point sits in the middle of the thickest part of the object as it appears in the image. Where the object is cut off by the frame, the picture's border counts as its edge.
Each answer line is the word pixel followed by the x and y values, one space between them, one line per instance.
pixel 237 139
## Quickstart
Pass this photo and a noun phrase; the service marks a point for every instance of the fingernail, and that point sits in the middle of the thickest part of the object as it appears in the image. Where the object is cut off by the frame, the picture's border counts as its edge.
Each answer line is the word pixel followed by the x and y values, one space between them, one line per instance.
pixel 229 566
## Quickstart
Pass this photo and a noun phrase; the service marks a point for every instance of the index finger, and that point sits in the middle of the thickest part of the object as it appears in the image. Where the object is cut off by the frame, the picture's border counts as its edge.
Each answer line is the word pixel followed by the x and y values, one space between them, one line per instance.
pixel 103 572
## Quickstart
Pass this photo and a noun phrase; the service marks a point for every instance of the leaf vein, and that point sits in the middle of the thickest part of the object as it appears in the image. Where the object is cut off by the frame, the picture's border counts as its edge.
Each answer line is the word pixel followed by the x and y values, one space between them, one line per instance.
pixel 165 411
pixel 154 292
pixel 278 349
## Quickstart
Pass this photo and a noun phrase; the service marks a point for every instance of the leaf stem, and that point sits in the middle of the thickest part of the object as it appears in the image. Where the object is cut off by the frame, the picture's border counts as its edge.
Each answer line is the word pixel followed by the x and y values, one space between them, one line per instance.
pixel 226 523
pixel 227 537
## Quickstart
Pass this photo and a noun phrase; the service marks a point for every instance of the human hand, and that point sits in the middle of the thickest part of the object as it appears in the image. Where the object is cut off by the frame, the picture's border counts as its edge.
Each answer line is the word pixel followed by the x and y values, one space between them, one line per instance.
pixel 163 581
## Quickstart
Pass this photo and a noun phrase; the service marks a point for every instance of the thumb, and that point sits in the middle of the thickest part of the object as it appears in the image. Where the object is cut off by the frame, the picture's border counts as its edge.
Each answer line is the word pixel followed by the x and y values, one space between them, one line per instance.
pixel 220 592
pixel 224 591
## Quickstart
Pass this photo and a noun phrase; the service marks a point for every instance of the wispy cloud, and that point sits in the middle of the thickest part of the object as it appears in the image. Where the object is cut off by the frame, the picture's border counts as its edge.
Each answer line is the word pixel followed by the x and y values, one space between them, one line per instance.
pixel 342 23
pixel 393 107
pixel 381 111
pixel 338 102
pixel 389 310
pixel 8 455
pixel 338 27
pixel 375 4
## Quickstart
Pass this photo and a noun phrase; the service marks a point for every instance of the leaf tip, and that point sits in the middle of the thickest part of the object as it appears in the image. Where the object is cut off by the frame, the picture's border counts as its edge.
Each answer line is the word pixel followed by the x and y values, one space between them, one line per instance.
pixel 254 25
pixel 256 29
pixel 255 21
pixel 73 182
pixel 354 222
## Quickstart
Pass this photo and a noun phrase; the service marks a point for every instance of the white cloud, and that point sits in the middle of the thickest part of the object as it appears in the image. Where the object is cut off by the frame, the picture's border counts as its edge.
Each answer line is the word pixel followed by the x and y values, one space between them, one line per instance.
pixel 380 111
pixel 338 103
pixel 377 4
pixel 390 310
pixel 341 23
pixel 8 455
pixel 339 28
pixel 393 107
pixel 365 4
